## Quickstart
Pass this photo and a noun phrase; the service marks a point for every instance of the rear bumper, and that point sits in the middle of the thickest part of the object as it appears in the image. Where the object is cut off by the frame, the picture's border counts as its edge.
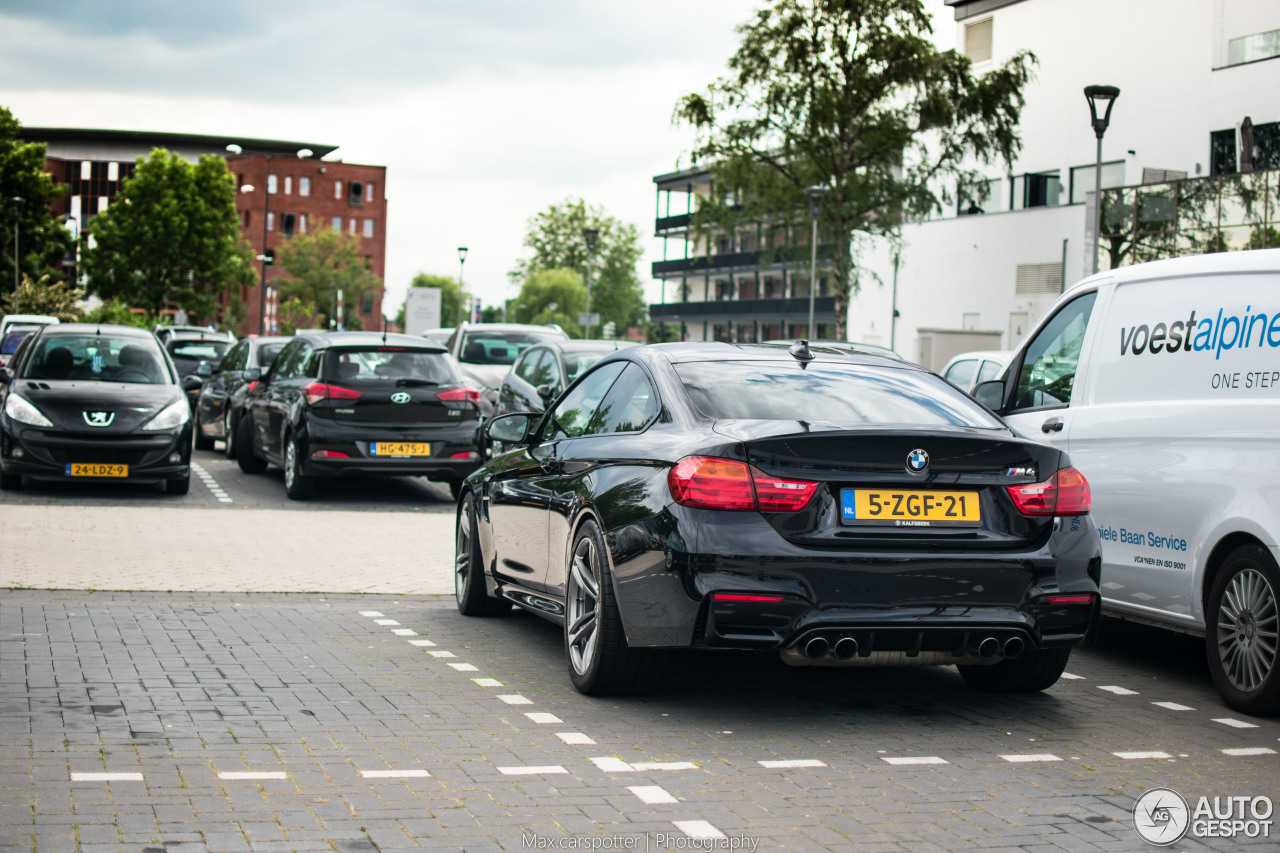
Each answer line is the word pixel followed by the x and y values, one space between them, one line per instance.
pixel 355 440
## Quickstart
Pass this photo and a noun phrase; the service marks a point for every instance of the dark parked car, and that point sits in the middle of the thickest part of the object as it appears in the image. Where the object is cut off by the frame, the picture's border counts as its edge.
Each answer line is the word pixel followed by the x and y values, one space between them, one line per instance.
pixel 544 370
pixel 835 509
pixel 94 401
pixel 220 402
pixel 195 356
pixel 340 403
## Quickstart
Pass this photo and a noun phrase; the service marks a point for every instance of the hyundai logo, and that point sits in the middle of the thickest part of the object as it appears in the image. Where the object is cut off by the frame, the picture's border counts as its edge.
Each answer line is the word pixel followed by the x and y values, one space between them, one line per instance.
pixel 400 397
pixel 917 461
pixel 99 419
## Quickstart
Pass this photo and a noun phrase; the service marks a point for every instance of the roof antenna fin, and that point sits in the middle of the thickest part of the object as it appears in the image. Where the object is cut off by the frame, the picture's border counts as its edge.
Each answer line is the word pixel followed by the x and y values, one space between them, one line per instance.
pixel 800 352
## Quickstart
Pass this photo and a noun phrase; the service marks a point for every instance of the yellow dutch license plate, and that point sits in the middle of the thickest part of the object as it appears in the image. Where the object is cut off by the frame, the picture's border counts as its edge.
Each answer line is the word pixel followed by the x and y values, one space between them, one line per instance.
pixel 85 469
pixel 910 508
pixel 400 448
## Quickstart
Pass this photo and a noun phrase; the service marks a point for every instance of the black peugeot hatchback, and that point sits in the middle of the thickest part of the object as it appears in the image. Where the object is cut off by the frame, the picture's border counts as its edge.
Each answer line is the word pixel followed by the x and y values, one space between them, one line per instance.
pixel 341 403
pixel 94 401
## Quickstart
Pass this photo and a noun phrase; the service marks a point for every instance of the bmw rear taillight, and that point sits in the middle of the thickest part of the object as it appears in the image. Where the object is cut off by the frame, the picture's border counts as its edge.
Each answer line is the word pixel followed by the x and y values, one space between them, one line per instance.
pixel 709 483
pixel 1065 493
pixel 459 395
pixel 317 391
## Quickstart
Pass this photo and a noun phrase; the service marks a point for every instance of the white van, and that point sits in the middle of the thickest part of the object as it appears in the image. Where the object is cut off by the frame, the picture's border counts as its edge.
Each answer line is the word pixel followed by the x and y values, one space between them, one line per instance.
pixel 26 321
pixel 1162 382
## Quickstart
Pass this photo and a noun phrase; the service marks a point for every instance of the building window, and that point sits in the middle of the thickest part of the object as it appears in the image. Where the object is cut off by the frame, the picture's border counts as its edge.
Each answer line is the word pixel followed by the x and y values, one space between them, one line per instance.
pixel 986 196
pixel 287 224
pixel 1222 152
pixel 288 184
pixel 271 220
pixel 304 186
pixel 271 184
pixel 302 223
pixel 366 304
pixel 368 228
pixel 1253 48
pixel 113 171
pixel 337 223
pixel 977 40
pixel 337 189
pixel 86 170
pixel 1082 179
pixel 352 227
pixel 368 192
pixel 1037 189
pixel 356 193
pixel 1266 146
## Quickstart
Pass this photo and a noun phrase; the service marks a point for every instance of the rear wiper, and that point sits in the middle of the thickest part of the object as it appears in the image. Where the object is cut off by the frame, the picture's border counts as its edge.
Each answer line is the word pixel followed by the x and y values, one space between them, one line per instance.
pixel 414 383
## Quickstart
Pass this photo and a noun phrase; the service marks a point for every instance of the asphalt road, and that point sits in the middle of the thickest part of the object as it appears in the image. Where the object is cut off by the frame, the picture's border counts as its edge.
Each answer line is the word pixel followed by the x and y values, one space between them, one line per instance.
pixel 197 719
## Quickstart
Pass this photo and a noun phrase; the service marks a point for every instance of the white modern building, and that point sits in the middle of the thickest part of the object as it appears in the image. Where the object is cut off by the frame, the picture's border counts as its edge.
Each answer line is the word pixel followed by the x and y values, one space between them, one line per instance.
pixel 1189 72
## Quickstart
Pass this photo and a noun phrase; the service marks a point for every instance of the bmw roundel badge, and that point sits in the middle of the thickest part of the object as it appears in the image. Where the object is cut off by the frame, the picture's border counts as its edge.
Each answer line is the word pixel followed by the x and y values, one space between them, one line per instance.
pixel 400 397
pixel 917 461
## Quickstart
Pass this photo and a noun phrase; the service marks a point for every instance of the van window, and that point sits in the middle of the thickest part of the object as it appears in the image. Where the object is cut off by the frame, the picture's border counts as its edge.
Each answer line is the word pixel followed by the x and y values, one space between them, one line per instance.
pixel 1049 363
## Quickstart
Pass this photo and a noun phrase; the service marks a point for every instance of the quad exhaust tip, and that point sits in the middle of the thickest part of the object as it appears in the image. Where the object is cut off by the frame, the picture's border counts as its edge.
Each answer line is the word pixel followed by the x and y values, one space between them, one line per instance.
pixel 1013 647
pixel 988 647
pixel 817 648
pixel 846 648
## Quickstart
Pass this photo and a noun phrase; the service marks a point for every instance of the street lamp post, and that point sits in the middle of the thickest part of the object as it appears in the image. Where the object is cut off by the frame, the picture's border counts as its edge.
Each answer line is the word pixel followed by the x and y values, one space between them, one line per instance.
pixel 590 235
pixel 816 195
pixel 16 204
pixel 302 154
pixel 1098 95
pixel 462 261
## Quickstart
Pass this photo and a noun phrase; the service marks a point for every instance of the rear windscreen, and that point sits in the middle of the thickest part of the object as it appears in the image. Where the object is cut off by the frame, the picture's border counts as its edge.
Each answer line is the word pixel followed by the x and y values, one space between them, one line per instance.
pixel 199 350
pixel 391 363
pixel 847 394
pixel 486 346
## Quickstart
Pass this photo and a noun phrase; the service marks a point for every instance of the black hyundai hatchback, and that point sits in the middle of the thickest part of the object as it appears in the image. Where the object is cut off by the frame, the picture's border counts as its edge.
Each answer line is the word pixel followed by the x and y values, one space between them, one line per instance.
pixel 340 403
pixel 98 402
pixel 834 509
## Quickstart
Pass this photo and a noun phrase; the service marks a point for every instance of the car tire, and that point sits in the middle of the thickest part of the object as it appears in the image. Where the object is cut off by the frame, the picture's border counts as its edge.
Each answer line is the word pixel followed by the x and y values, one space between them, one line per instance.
pixel 10 482
pixel 229 435
pixel 249 463
pixel 1242 636
pixel 178 487
pixel 297 486
pixel 1032 671
pixel 601 663
pixel 202 441
pixel 468 568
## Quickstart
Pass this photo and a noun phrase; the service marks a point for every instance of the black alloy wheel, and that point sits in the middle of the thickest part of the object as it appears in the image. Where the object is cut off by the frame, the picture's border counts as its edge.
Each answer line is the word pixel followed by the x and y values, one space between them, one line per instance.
pixel 1032 671
pixel 228 435
pixel 297 485
pixel 1242 633
pixel 600 661
pixel 249 463
pixel 468 568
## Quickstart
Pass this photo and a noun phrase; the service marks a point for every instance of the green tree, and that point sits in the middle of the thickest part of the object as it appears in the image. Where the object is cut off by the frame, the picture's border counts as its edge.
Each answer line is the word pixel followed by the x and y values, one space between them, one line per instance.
pixel 850 95
pixel 170 237
pixel 321 263
pixel 118 312
pixel 555 236
pixel 46 296
pixel 552 296
pixel 42 240
pixel 451 297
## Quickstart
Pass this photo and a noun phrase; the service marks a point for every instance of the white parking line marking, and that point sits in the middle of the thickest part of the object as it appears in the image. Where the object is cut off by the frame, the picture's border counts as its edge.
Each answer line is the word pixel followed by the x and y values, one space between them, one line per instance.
pixel 698 829
pixel 210 483
pixel 442 654
pixel 464 667
pixel 652 795
pixel 372 614
pixel 1173 706
pixel 1249 750
pixel 798 762
pixel 1235 724
pixel 1138 756
pixel 421 643
pixel 611 764
pixel 1030 757
pixel 514 699
pixel 666 765
pixel 404 632
pixel 489 682
pixel 575 738
pixel 1119 691
pixel 385 622
pixel 913 759
pixel 395 774
pixel 531 771
pixel 252 775
pixel 106 777
pixel 542 718
pixel 1071 676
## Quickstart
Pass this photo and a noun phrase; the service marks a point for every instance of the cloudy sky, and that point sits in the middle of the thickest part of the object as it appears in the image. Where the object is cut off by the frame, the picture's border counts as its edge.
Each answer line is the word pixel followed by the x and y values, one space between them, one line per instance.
pixel 483 111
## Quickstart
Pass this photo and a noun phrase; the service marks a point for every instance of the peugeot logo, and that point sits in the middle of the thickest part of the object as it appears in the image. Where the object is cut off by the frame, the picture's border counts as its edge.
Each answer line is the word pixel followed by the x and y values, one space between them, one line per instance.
pixel 99 419
pixel 917 461
pixel 400 397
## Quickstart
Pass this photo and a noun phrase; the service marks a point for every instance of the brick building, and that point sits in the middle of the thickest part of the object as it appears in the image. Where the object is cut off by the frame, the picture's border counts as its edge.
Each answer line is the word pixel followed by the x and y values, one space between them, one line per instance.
pixel 301 194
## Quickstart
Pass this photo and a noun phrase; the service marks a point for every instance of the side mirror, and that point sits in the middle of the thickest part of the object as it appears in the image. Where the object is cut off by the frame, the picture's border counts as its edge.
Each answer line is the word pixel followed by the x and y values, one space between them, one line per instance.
pixel 252 374
pixel 511 429
pixel 192 383
pixel 5 376
pixel 546 392
pixel 990 394
pixel 205 370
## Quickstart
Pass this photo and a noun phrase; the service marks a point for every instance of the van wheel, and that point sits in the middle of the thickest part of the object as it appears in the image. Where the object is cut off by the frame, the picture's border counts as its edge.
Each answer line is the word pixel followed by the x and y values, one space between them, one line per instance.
pixel 249 463
pixel 1242 634
pixel 1033 670
pixel 601 663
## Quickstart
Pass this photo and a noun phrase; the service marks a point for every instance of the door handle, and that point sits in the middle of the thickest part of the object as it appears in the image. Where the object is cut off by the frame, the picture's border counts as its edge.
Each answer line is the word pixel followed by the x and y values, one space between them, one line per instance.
pixel 1052 425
